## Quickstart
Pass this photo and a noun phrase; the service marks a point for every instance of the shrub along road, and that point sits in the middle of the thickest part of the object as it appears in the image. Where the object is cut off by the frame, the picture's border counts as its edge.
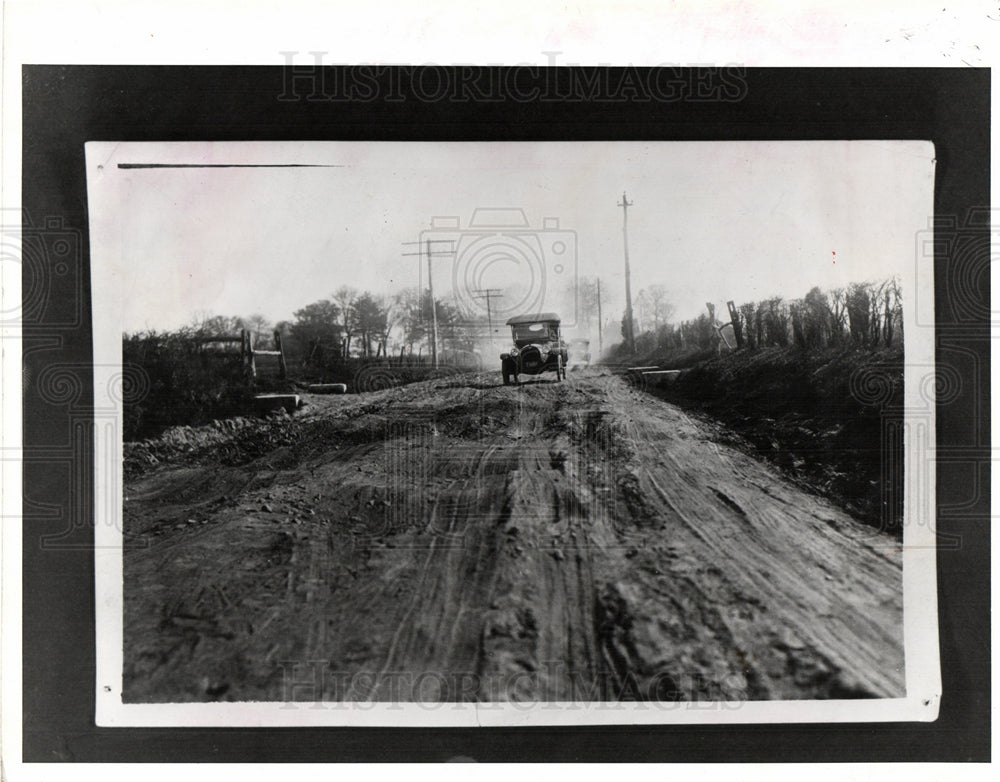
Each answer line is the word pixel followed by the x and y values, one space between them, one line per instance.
pixel 458 539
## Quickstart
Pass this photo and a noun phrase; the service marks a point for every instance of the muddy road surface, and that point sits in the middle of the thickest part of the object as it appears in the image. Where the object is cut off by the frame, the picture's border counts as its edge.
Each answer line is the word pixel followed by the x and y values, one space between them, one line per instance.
pixel 461 540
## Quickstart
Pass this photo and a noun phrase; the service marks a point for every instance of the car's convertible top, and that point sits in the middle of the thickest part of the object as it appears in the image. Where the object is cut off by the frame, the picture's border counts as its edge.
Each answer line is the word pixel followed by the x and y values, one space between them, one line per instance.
pixel 538 317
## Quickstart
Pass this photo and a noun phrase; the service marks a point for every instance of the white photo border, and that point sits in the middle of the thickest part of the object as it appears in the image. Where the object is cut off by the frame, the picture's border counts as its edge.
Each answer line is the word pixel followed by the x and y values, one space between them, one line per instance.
pixel 923 681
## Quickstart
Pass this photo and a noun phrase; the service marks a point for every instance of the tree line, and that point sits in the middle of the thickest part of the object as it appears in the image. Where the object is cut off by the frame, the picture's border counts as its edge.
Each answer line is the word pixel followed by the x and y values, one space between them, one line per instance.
pixel 864 315
pixel 346 324
pixel 352 323
pixel 195 373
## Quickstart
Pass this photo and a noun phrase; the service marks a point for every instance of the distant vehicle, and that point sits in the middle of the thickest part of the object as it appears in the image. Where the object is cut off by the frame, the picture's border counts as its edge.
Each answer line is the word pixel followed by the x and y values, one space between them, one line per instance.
pixel 581 351
pixel 538 347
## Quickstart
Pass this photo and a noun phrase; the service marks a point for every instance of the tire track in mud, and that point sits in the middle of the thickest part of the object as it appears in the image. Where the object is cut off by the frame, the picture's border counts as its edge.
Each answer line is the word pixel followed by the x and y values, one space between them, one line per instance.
pixel 821 591
pixel 505 597
pixel 467 541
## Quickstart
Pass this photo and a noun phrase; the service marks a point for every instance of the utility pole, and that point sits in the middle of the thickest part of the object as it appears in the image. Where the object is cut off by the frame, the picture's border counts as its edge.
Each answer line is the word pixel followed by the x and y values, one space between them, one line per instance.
pixel 430 285
pixel 487 293
pixel 600 321
pixel 629 325
pixel 434 309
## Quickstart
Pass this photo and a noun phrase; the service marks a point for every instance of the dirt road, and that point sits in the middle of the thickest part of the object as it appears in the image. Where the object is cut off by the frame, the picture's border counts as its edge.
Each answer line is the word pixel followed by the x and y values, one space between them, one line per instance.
pixel 457 539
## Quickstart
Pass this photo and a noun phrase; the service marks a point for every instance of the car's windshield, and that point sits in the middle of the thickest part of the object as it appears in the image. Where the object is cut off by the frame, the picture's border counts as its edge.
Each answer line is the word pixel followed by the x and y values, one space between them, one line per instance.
pixel 534 332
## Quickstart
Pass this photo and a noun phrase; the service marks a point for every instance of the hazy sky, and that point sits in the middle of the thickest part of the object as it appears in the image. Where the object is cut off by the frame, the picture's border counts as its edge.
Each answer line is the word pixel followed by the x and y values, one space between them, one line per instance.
pixel 711 220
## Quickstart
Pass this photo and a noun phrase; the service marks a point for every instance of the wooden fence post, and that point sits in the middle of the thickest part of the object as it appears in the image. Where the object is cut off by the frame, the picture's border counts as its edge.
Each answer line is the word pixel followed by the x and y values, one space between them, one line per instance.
pixel 282 368
pixel 253 363
pixel 245 355
pixel 734 318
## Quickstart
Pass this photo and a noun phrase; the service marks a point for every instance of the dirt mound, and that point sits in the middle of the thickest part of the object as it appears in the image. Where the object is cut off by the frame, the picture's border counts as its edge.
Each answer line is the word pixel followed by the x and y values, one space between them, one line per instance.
pixel 180 441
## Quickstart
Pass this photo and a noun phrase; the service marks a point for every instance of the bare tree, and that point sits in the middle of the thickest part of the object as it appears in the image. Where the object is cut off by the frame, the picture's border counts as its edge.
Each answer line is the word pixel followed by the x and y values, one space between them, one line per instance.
pixel 344 297
pixel 660 306
pixel 858 303
pixel 816 318
pixel 893 314
pixel 391 316
pixel 838 313
pixel 412 318
pixel 258 325
pixel 875 313
pixel 205 324
pixel 751 332
pixel 775 320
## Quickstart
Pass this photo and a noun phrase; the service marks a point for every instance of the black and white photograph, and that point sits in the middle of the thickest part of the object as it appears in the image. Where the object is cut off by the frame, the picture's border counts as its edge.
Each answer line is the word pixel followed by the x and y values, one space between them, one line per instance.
pixel 496 384
pixel 613 430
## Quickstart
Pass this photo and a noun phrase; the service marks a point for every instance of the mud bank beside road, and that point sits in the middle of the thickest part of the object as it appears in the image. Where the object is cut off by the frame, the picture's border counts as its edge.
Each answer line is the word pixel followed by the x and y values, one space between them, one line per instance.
pixel 831 419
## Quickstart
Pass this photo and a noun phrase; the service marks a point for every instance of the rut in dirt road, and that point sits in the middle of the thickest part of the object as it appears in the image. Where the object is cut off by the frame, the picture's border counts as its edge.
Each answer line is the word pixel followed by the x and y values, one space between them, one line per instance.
pixel 461 540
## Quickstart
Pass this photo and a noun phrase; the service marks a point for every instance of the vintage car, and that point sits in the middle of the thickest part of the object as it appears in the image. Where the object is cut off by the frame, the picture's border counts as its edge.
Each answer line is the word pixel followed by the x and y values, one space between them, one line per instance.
pixel 538 347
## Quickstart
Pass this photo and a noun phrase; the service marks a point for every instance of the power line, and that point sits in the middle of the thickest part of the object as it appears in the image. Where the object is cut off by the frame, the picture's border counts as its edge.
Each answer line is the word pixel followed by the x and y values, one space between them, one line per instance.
pixel 430 284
